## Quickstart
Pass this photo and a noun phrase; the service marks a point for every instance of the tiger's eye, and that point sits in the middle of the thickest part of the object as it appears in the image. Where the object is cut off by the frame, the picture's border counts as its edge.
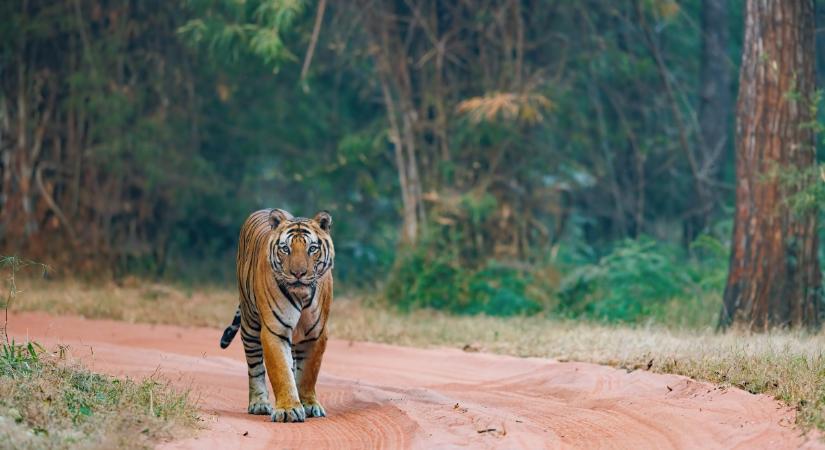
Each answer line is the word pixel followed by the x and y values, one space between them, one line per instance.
pixel 284 249
pixel 313 248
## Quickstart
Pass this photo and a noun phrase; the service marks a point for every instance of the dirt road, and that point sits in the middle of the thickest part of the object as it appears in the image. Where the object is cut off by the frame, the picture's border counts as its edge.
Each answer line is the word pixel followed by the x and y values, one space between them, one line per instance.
pixel 382 396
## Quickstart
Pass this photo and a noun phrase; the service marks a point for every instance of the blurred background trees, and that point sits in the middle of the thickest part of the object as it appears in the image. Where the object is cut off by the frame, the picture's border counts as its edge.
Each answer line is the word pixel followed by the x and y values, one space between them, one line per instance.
pixel 479 156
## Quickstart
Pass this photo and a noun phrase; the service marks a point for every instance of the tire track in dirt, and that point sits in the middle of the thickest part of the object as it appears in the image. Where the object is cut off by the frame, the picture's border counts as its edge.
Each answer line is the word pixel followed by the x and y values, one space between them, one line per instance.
pixel 382 396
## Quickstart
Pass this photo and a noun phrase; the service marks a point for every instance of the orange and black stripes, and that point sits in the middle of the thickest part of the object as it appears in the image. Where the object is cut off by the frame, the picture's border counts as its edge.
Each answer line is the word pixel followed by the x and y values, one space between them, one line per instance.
pixel 285 285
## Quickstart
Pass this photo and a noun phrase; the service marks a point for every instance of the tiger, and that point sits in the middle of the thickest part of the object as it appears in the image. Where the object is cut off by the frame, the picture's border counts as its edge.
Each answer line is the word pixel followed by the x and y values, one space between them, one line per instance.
pixel 284 270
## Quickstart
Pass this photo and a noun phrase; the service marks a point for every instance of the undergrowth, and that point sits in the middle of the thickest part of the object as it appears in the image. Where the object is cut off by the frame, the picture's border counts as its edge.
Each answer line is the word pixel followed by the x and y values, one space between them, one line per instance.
pixel 48 402
pixel 642 281
pixel 420 281
pixel 635 281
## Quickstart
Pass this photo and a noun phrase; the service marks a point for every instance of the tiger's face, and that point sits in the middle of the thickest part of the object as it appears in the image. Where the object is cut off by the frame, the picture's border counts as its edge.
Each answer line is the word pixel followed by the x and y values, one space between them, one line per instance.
pixel 300 250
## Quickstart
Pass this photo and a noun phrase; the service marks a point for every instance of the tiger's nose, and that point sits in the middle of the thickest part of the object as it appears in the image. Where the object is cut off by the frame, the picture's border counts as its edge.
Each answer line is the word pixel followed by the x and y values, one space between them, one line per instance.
pixel 298 273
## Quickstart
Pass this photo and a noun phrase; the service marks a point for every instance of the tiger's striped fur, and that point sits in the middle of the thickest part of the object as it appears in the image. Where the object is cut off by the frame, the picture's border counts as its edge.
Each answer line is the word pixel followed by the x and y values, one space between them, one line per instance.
pixel 284 268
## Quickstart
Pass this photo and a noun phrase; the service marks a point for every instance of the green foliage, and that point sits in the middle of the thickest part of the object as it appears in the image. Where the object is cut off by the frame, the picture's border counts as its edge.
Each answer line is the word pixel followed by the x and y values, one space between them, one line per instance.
pixel 638 279
pixel 19 358
pixel 807 186
pixel 230 28
pixel 170 127
pixel 429 277
pixel 812 197
pixel 498 290
pixel 709 263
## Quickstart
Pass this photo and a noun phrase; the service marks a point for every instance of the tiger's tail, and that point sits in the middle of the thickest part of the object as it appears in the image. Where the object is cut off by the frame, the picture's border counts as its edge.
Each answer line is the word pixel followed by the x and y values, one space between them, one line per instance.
pixel 230 331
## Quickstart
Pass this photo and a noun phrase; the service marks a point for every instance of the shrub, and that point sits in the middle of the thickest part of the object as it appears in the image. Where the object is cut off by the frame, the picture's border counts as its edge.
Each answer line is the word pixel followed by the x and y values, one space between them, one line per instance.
pixel 429 279
pixel 638 279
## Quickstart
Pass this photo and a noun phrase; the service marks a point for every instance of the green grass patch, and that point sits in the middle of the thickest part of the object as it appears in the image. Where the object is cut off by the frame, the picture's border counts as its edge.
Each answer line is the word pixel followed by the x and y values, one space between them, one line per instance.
pixel 48 402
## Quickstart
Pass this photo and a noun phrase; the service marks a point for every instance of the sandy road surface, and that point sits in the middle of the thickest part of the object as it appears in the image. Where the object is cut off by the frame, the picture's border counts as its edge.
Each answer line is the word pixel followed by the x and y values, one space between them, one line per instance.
pixel 382 396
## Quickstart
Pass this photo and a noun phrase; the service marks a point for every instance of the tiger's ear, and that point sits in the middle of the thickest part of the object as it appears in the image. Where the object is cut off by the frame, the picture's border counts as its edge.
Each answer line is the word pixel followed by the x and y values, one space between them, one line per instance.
pixel 324 220
pixel 276 216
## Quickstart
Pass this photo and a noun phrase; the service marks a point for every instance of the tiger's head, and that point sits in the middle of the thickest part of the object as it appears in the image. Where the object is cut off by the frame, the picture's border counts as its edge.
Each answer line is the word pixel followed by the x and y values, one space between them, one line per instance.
pixel 300 250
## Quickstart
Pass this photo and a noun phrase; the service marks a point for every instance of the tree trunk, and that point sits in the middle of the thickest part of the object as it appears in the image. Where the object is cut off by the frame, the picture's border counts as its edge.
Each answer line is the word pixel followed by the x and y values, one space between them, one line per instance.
pixel 409 227
pixel 394 80
pixel 774 277
pixel 714 114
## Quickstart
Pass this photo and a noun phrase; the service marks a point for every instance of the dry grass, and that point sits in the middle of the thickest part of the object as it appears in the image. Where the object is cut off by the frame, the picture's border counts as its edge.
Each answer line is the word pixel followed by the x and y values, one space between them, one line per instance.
pixel 131 301
pixel 46 402
pixel 789 366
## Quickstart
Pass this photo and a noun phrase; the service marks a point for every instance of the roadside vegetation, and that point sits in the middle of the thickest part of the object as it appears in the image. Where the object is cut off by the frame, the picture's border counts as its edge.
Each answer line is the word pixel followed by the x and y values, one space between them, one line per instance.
pixel 788 365
pixel 632 281
pixel 49 402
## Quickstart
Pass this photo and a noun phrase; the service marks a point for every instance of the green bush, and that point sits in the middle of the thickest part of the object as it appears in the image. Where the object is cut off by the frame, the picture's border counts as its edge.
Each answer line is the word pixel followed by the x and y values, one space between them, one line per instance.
pixel 635 281
pixel 430 279
pixel 639 279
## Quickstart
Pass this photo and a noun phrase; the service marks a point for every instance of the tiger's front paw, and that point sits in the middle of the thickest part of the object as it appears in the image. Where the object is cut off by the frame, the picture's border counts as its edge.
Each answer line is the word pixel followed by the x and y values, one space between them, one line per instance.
pixel 314 409
pixel 259 408
pixel 290 414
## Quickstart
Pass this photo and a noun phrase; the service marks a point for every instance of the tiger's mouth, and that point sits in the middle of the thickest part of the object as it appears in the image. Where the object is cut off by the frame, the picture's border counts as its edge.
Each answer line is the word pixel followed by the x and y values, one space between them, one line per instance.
pixel 294 283
pixel 301 283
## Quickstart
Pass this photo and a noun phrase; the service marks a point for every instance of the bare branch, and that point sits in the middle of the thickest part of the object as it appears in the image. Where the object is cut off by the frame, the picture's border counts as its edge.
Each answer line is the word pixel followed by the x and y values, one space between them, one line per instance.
pixel 313 41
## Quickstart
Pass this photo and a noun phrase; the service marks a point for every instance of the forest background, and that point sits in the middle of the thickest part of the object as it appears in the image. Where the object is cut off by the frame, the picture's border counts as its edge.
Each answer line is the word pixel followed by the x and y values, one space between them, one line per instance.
pixel 569 158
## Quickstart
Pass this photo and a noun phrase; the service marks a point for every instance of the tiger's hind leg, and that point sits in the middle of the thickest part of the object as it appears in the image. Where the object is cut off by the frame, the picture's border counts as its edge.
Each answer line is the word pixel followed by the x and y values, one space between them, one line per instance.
pixel 258 392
